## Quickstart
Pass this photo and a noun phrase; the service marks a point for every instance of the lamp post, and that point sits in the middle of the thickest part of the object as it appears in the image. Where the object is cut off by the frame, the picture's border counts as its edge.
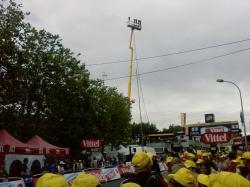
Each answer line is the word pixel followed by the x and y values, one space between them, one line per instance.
pixel 242 110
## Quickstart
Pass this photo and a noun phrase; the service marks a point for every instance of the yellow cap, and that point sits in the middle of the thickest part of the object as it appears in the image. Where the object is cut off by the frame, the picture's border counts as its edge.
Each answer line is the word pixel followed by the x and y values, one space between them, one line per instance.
pixel 199 152
pixel 199 161
pixel 184 177
pixel 50 179
pixel 241 164
pixel 246 155
pixel 223 156
pixel 141 160
pixel 150 155
pixel 189 164
pixel 169 159
pixel 131 184
pixel 191 155
pixel 227 179
pixel 237 160
pixel 205 154
pixel 203 179
pixel 86 180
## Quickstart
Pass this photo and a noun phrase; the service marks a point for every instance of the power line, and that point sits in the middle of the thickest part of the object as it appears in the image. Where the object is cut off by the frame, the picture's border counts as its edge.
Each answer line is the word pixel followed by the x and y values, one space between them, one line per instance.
pixel 187 64
pixel 139 84
pixel 169 54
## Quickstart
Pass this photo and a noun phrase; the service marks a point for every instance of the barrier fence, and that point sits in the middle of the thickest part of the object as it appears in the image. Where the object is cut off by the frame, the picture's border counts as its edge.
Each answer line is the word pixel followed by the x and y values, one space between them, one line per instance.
pixel 103 174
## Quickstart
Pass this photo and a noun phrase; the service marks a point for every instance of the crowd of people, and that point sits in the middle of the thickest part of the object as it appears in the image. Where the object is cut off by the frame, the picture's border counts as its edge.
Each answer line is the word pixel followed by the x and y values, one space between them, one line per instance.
pixel 188 169
pixel 196 169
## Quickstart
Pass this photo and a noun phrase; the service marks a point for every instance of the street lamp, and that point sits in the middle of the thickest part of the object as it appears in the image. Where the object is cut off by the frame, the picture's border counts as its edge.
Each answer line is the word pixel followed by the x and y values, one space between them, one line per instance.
pixel 242 110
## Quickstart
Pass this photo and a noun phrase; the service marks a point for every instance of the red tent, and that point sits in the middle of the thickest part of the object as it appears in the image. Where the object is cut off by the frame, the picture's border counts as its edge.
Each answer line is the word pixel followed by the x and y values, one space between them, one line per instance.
pixel 9 144
pixel 48 148
pixel 12 152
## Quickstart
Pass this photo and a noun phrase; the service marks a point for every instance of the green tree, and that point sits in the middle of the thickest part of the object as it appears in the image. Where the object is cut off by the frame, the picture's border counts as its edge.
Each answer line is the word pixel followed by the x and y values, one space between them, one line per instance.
pixel 46 90
pixel 146 128
pixel 173 129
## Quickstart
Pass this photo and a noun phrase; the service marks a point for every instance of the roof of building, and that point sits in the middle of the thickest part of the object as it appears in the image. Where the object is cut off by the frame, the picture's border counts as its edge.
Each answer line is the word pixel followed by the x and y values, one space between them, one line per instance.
pixel 214 123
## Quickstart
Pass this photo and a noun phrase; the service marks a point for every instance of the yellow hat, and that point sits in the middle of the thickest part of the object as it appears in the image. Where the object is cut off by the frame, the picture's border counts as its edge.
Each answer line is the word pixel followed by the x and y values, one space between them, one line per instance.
pixel 203 179
pixel 246 155
pixel 86 180
pixel 184 177
pixel 150 155
pixel 131 184
pixel 241 164
pixel 227 179
pixel 169 159
pixel 199 152
pixel 50 179
pixel 237 160
pixel 223 156
pixel 191 155
pixel 205 154
pixel 189 164
pixel 199 161
pixel 141 160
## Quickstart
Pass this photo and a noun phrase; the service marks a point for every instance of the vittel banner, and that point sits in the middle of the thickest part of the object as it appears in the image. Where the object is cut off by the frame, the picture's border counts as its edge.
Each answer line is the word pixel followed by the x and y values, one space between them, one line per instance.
pixel 92 143
pixel 220 137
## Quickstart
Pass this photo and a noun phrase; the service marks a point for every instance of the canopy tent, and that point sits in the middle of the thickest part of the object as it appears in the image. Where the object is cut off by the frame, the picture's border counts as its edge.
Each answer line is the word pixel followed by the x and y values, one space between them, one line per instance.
pixel 9 144
pixel 12 151
pixel 48 148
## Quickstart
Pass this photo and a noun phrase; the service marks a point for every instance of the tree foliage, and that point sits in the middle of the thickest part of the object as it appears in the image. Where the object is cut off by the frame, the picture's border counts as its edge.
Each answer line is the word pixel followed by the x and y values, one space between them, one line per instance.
pixel 44 89
pixel 138 128
pixel 173 129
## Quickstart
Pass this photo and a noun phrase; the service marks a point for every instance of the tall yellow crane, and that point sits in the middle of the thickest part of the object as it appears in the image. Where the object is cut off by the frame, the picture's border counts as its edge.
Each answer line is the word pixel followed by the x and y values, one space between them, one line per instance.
pixel 134 24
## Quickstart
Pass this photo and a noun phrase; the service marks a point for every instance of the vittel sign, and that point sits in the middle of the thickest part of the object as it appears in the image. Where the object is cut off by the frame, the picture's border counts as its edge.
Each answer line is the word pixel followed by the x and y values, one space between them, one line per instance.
pixel 91 143
pixel 218 129
pixel 219 137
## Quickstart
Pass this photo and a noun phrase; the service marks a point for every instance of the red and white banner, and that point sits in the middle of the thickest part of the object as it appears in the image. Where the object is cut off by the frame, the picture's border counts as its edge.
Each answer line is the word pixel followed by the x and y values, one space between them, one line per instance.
pixel 123 169
pixel 91 143
pixel 111 173
pixel 220 137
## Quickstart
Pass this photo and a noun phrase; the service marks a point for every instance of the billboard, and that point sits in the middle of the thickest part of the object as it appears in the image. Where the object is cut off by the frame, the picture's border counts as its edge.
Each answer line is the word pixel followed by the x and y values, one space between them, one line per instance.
pixel 219 137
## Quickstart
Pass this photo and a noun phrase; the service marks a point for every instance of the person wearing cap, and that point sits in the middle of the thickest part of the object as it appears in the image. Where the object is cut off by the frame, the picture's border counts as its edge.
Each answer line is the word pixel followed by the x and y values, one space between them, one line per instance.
pixel 189 164
pixel 168 162
pixel 191 156
pixel 50 179
pixel 60 167
pixel 143 172
pixel 182 178
pixel 246 162
pixel 227 179
pixel 208 165
pixel 198 165
pixel 176 164
pixel 86 180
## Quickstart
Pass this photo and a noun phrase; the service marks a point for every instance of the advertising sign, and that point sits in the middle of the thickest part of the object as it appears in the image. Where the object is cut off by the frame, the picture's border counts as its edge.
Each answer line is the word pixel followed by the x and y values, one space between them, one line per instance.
pixel 217 129
pixel 91 143
pixel 220 137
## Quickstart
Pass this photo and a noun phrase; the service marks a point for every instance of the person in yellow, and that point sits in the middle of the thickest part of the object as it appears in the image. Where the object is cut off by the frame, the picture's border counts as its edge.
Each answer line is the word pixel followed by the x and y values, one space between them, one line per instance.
pixel 246 162
pixel 227 179
pixel 143 172
pixel 51 180
pixel 182 178
pixel 86 180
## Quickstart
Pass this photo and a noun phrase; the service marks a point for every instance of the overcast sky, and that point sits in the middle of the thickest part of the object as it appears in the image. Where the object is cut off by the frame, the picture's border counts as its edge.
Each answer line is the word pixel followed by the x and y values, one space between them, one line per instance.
pixel 97 29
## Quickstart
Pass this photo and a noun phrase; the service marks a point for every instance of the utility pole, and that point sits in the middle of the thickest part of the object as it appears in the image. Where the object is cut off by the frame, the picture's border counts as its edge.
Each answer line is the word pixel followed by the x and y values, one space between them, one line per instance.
pixel 134 24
